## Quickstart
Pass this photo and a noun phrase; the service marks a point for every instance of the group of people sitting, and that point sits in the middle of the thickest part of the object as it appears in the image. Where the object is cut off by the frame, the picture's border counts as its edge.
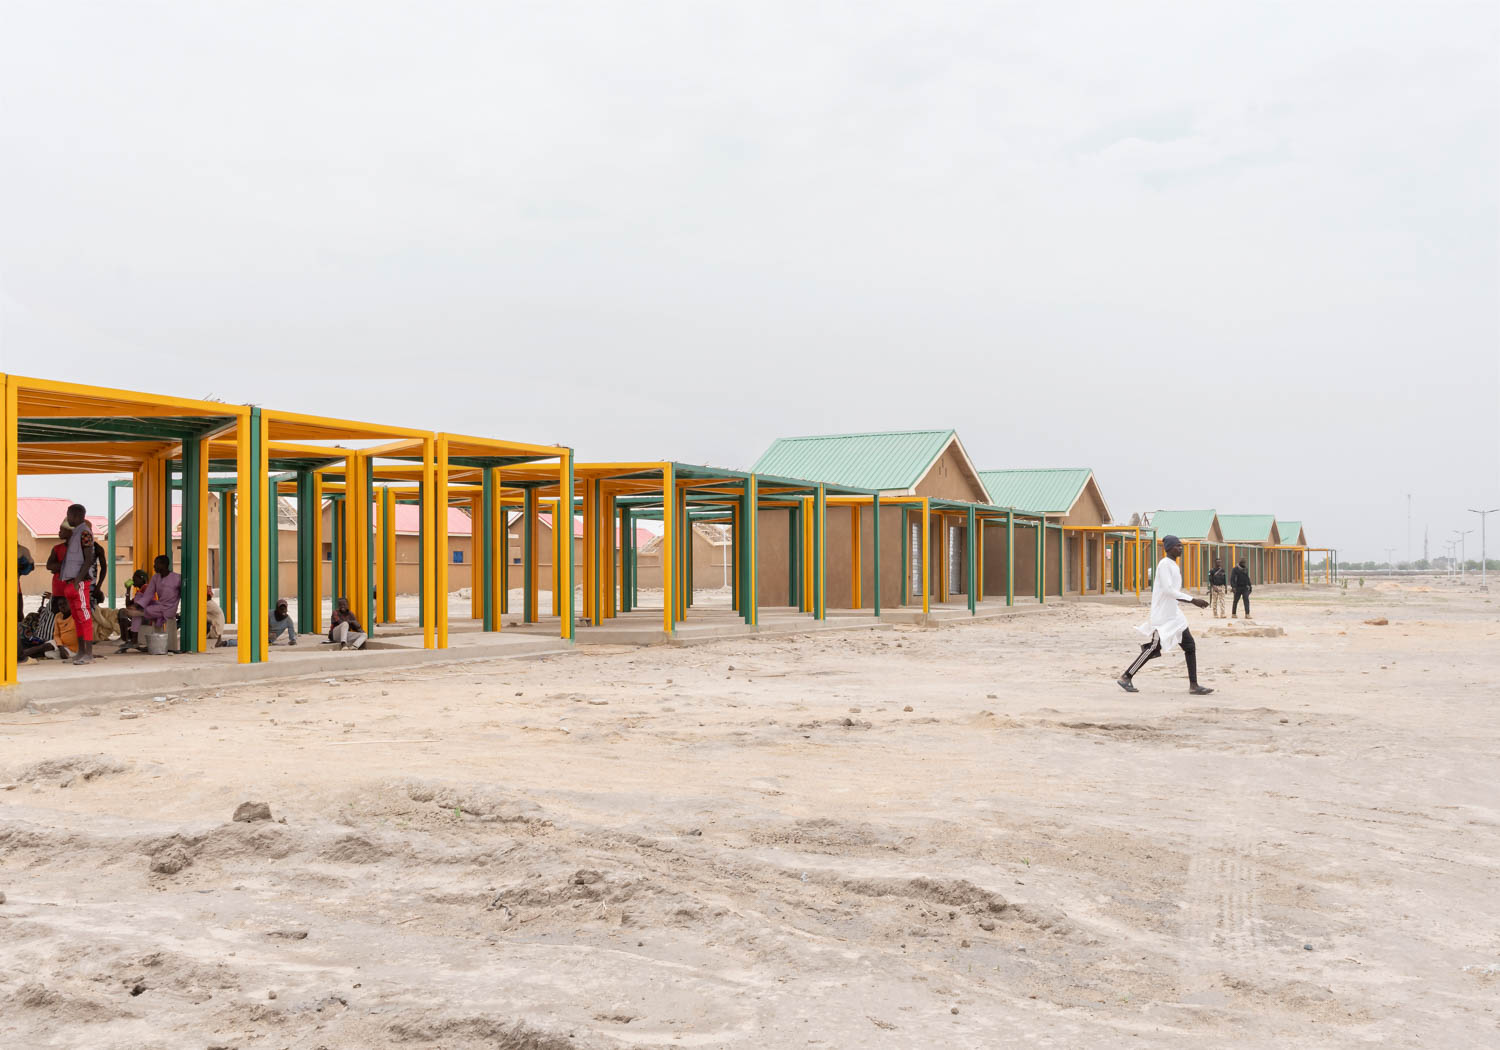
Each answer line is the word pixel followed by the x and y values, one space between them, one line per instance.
pixel 72 614
pixel 344 628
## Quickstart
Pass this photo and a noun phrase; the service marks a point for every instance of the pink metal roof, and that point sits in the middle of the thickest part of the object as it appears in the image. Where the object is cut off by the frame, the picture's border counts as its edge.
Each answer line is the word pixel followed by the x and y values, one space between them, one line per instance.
pixel 43 514
pixel 408 520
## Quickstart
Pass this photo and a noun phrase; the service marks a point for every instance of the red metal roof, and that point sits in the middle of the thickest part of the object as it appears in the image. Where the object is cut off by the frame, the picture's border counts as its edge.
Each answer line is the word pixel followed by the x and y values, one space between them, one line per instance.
pixel 43 514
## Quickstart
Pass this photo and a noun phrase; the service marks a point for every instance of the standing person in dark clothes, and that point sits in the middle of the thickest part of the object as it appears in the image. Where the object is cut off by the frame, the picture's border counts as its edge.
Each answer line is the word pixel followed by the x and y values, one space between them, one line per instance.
pixel 1167 627
pixel 1239 580
pixel 1217 589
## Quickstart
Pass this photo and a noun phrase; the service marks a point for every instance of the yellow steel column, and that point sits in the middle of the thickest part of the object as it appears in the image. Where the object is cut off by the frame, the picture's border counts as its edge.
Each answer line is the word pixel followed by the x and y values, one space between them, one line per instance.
pixel 429 544
pixel 564 528
pixel 476 563
pixel 244 479
pixel 590 553
pixel 499 538
pixel 979 559
pixel 267 493
pixel 10 579
pixel 926 531
pixel 668 548
pixel 557 526
pixel 440 529
pixel 856 560
pixel 202 552
pixel 807 553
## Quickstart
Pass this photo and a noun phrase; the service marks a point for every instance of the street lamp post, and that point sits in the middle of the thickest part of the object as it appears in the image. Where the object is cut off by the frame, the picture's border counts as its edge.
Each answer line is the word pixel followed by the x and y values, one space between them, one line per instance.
pixel 1484 580
pixel 1461 533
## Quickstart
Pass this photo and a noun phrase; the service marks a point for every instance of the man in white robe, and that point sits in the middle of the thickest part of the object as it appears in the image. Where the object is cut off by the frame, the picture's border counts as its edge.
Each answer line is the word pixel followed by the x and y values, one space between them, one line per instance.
pixel 1168 627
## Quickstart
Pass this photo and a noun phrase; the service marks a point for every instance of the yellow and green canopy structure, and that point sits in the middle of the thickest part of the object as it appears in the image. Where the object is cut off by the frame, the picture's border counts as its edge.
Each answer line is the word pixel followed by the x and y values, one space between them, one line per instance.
pixel 245 455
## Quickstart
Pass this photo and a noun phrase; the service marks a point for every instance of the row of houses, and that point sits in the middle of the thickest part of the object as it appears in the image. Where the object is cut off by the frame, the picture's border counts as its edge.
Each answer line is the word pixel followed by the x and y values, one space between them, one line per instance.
pixel 931 463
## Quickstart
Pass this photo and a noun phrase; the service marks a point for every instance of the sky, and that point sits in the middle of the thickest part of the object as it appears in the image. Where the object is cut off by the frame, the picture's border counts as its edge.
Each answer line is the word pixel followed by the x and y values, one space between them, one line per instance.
pixel 1244 256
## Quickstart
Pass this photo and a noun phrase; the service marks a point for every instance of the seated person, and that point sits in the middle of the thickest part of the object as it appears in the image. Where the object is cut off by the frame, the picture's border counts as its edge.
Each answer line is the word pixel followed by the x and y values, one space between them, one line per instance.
pixel 157 602
pixel 106 621
pixel 64 629
pixel 343 629
pixel 215 617
pixel 37 631
pixel 133 587
pixel 281 623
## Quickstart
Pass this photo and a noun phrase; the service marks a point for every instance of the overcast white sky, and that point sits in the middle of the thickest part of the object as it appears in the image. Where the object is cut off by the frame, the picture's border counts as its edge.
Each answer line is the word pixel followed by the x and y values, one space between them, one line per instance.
pixel 1228 254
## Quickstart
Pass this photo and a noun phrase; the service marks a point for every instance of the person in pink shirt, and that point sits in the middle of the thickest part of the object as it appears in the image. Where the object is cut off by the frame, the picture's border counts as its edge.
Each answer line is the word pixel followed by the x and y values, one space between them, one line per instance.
pixel 158 600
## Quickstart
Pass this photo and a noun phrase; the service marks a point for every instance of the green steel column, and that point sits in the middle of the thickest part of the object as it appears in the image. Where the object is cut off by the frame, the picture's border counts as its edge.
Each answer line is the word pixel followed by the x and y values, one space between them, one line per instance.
pixel 192 571
pixel 528 537
pixel 1041 560
pixel 875 555
pixel 307 562
pixel 820 567
pixel 970 545
pixel 110 541
pixel 745 543
pixel 257 624
pixel 794 558
pixel 223 567
pixel 487 530
pixel 1010 557
pixel 627 555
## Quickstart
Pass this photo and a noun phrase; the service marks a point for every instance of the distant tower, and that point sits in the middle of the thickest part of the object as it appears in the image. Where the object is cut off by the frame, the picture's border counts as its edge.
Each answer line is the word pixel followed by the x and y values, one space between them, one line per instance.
pixel 1424 543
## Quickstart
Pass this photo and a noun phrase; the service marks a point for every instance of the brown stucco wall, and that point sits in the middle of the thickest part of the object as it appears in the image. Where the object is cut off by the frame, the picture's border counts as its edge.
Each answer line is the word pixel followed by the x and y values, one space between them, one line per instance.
pixel 949 478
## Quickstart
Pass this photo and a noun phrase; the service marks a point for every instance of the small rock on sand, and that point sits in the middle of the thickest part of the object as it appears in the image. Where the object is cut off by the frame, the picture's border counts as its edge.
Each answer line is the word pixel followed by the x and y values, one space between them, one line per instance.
pixel 907 707
pixel 130 714
pixel 170 861
pixel 2 898
pixel 248 812
pixel 1379 621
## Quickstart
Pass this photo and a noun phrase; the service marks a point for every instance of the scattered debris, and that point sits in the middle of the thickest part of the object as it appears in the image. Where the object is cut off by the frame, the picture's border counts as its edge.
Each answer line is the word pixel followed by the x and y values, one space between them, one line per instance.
pixel 1379 621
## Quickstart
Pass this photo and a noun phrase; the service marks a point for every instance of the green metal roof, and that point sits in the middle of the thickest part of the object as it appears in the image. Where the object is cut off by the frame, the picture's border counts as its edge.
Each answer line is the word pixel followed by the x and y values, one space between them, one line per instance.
pixel 1184 524
pixel 893 459
pixel 1247 528
pixel 1041 491
pixel 1289 530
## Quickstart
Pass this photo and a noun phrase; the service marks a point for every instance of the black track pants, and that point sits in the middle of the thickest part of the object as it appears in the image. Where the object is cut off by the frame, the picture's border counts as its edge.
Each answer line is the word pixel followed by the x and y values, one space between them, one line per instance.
pixel 1152 649
pixel 1237 596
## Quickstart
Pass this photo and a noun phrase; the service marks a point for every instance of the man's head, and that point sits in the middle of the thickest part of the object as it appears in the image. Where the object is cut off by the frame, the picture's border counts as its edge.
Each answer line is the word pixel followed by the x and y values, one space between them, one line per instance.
pixel 162 565
pixel 1218 563
pixel 208 592
pixel 1242 563
pixel 1173 547
pixel 76 514
pixel 343 605
pixel 140 578
pixel 281 609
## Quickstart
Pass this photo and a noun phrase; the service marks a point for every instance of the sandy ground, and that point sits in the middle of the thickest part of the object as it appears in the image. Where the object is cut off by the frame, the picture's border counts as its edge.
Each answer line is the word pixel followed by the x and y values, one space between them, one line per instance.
pixel 965 837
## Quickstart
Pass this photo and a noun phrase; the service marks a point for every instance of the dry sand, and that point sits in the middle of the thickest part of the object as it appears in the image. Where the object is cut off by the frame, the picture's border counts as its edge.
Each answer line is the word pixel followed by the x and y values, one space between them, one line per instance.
pixel 757 844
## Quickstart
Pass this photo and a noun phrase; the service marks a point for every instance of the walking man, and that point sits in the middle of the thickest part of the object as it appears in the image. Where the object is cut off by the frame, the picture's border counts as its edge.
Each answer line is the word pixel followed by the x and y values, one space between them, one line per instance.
pixel 1167 627
pixel 1217 589
pixel 1239 580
